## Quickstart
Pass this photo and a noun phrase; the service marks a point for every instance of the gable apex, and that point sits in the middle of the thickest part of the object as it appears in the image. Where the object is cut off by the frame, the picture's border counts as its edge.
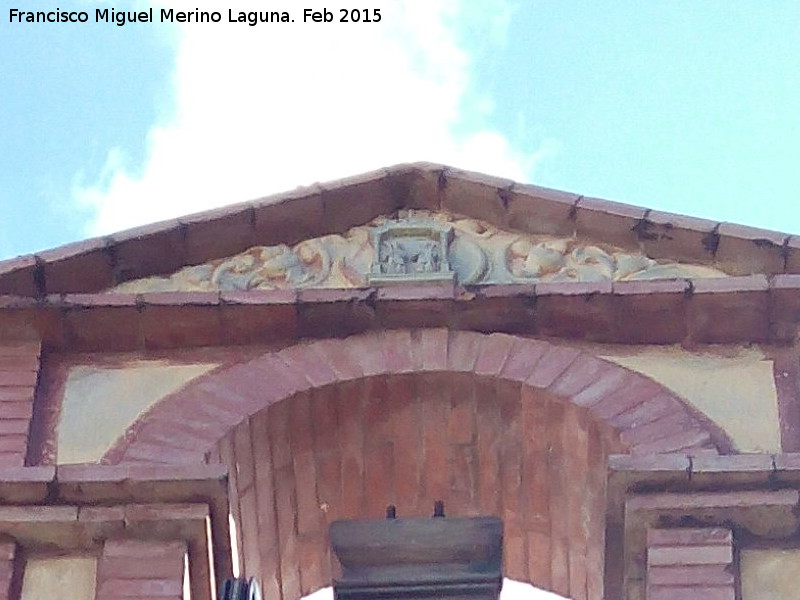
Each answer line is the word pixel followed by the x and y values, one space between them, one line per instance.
pixel 335 207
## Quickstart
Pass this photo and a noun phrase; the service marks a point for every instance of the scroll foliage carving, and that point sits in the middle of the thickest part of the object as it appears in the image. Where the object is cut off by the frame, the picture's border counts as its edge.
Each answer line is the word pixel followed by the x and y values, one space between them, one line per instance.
pixel 418 246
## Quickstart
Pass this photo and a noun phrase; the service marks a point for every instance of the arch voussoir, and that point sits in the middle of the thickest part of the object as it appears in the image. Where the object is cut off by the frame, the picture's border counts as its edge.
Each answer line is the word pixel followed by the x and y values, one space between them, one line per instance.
pixel 647 417
pixel 494 353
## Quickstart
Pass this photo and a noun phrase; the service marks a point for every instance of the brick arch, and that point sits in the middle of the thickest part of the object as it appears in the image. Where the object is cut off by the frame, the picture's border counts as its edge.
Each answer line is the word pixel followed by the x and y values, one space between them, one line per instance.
pixel 526 426
pixel 648 417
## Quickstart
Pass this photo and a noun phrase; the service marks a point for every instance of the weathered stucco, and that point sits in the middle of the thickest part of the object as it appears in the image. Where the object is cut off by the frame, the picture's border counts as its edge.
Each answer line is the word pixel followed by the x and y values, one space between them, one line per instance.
pixel 101 402
pixel 49 578
pixel 770 574
pixel 736 391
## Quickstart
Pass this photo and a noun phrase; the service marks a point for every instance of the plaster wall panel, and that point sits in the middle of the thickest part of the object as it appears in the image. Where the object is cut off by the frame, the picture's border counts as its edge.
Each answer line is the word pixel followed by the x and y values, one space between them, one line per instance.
pixel 770 574
pixel 48 578
pixel 100 403
pixel 737 392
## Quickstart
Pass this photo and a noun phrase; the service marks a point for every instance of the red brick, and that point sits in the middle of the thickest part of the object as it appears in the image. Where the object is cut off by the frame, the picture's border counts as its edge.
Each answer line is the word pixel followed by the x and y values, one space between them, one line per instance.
pixel 14 443
pixel 508 290
pixel 758 463
pixel 690 555
pixel 611 222
pixel 731 285
pixel 104 328
pixel 793 254
pixel 658 428
pixel 18 276
pixel 493 354
pixel 228 397
pixel 84 266
pixel 159 453
pixel 136 548
pixel 140 588
pixel 290 217
pixel 691 593
pixel 541 210
pixel 462 350
pixel 206 404
pixel 180 326
pixel 286 377
pixel 675 463
pixel 14 426
pixel 745 250
pixel 552 364
pixel 689 537
pixel 356 200
pixel 676 237
pixel 576 310
pixel 370 350
pixel 475 195
pixel 502 314
pixel 641 310
pixel 149 250
pixel 431 291
pixel 646 412
pixel 165 512
pixel 784 307
pixel 16 410
pixel 397 348
pixel 681 440
pixel 411 313
pixel 162 567
pixel 257 323
pixel 304 360
pixel 101 514
pixel 39 514
pixel 583 371
pixel 167 433
pixel 345 363
pixel 23 361
pixel 11 459
pixel 694 575
pixel 416 185
pixel 432 349
pixel 350 314
pixel 522 359
pixel 737 312
pixel 21 348
pixel 637 390
pixel 218 233
pixel 606 384
pixel 18 378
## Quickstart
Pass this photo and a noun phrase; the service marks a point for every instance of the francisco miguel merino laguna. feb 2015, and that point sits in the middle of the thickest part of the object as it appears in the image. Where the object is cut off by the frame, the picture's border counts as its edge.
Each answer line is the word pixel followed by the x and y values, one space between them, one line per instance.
pixel 168 15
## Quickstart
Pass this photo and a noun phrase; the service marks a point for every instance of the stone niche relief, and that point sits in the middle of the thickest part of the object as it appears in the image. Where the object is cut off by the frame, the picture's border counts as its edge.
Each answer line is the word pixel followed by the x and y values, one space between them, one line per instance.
pixel 411 250
pixel 418 247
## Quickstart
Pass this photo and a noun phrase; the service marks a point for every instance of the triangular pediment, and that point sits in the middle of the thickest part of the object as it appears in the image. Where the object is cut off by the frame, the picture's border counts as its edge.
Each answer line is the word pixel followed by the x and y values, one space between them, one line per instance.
pixel 320 237
pixel 418 247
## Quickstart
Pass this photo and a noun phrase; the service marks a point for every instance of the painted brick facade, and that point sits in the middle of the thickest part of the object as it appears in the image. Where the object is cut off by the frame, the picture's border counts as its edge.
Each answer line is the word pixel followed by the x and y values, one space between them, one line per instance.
pixel 145 570
pixel 690 564
pixel 19 373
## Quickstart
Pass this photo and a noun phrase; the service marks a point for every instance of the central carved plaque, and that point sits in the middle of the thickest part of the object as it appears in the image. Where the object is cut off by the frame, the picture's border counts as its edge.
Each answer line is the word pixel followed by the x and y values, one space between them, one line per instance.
pixel 411 251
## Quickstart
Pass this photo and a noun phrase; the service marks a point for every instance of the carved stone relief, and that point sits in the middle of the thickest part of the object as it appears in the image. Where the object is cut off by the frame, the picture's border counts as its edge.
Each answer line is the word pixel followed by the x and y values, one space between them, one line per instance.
pixel 418 246
pixel 411 249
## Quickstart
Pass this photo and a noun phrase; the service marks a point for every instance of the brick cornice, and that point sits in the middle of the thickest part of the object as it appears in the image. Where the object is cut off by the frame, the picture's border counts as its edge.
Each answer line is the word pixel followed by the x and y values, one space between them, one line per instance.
pixel 685 311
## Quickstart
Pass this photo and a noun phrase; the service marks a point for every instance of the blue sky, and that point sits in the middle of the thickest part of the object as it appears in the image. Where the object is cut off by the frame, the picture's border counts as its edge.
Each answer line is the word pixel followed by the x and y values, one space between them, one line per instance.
pixel 690 107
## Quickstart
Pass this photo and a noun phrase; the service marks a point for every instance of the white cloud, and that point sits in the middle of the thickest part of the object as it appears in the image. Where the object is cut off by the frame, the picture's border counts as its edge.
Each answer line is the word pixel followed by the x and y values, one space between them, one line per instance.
pixel 261 109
